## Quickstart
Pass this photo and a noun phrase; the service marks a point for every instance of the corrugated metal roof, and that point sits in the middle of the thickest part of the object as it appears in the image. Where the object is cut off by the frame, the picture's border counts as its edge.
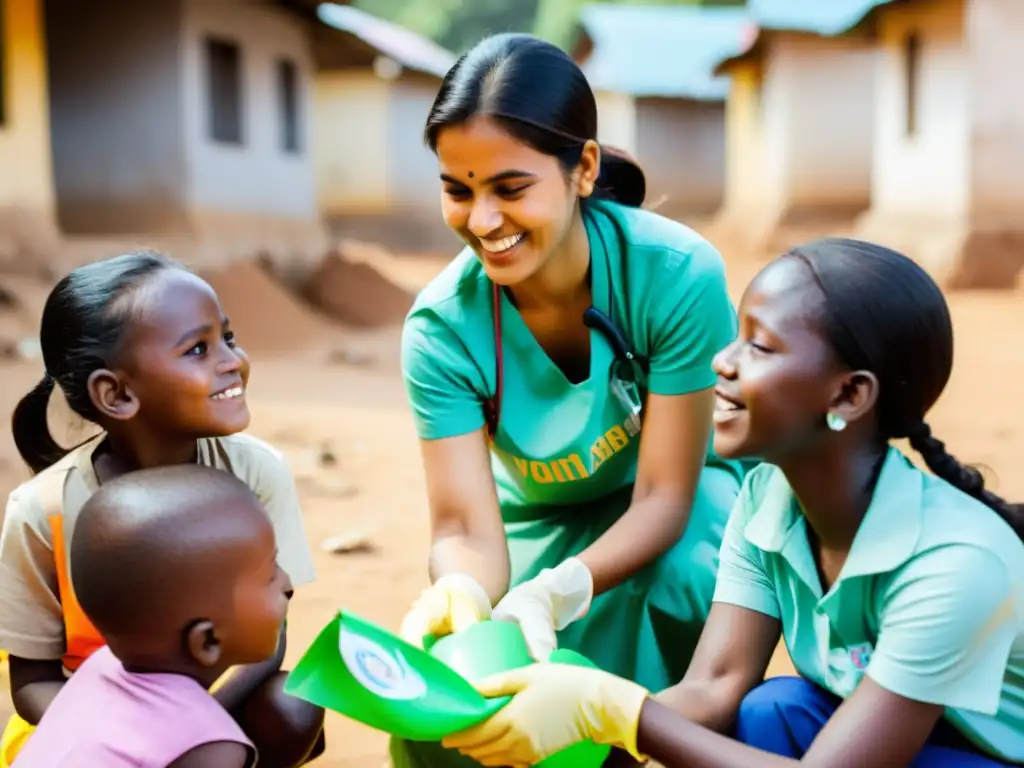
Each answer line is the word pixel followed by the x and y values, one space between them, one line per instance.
pixel 404 46
pixel 822 17
pixel 827 18
pixel 666 51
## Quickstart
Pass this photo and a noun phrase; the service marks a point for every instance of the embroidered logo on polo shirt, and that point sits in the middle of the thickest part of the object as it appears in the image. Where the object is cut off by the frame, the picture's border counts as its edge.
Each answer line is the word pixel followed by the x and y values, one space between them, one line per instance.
pixel 860 655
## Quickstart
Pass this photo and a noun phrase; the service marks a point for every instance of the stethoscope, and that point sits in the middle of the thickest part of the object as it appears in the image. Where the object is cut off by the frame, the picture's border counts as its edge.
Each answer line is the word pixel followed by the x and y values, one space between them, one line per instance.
pixel 628 371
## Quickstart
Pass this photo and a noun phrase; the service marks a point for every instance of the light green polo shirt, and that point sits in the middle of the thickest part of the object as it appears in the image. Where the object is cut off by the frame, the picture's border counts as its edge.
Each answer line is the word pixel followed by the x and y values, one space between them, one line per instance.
pixel 930 602
pixel 559 442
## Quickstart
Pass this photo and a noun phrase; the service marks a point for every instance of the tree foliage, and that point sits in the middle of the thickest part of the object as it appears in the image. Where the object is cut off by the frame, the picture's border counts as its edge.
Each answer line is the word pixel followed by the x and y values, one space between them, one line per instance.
pixel 458 24
pixel 455 24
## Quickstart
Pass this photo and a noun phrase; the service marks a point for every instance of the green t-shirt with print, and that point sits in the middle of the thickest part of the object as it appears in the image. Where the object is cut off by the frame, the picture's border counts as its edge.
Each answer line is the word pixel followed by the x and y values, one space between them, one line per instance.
pixel 559 442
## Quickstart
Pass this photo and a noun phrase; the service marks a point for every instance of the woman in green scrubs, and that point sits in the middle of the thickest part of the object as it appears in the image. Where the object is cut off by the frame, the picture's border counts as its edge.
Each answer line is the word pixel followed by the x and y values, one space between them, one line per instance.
pixel 559 373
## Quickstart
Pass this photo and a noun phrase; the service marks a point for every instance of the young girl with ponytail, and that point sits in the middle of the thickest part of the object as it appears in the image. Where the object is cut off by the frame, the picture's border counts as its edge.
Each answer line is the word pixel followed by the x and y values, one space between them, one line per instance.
pixel 139 346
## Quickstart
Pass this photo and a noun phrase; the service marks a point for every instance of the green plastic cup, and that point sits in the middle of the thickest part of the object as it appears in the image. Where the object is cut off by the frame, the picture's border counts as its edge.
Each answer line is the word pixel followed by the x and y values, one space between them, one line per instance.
pixel 370 675
pixel 484 649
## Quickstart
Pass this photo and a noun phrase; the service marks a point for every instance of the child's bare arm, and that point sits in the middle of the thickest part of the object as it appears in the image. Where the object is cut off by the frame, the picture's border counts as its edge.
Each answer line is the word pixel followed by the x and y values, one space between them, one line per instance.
pixel 34 684
pixel 219 754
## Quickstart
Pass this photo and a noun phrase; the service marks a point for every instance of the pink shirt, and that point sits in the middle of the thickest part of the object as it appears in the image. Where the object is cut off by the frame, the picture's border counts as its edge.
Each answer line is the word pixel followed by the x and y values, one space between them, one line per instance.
pixel 107 717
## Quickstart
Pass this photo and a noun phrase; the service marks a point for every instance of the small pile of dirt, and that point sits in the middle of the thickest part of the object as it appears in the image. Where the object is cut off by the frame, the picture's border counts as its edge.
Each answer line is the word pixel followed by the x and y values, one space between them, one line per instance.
pixel 12 325
pixel 268 319
pixel 25 296
pixel 356 293
pixel 22 298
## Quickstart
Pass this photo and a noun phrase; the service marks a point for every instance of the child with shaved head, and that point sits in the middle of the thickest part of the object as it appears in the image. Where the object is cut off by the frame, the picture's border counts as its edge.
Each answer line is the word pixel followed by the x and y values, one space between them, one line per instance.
pixel 177 568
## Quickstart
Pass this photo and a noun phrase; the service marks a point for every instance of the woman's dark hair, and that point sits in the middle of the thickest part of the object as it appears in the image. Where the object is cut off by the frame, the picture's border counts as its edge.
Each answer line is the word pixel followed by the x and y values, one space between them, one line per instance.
pixel 883 313
pixel 81 331
pixel 541 97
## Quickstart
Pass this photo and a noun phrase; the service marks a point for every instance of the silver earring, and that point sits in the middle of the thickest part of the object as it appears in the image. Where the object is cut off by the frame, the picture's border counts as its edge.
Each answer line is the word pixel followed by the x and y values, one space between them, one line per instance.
pixel 835 422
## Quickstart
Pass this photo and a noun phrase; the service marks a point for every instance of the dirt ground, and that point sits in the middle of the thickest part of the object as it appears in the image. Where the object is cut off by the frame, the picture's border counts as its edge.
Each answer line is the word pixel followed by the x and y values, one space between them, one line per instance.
pixel 331 398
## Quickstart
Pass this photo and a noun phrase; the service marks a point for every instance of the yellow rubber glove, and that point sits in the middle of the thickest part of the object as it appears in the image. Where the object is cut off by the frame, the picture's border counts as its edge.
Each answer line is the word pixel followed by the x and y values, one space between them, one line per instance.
pixel 452 603
pixel 551 601
pixel 554 707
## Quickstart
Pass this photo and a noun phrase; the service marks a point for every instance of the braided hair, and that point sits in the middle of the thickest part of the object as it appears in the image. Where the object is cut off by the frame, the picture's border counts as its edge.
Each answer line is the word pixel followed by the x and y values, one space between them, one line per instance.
pixel 883 313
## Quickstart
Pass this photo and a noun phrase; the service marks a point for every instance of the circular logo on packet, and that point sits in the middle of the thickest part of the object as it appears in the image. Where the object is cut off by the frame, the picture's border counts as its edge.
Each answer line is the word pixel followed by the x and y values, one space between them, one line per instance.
pixel 386 674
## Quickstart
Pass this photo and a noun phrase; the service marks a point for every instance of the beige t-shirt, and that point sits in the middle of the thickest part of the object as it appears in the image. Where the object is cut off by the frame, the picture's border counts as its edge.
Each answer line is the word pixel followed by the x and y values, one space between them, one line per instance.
pixel 31 619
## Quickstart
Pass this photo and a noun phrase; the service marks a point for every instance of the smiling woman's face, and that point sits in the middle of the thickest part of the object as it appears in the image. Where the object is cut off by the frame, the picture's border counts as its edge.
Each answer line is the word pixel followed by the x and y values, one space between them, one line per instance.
pixel 512 204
